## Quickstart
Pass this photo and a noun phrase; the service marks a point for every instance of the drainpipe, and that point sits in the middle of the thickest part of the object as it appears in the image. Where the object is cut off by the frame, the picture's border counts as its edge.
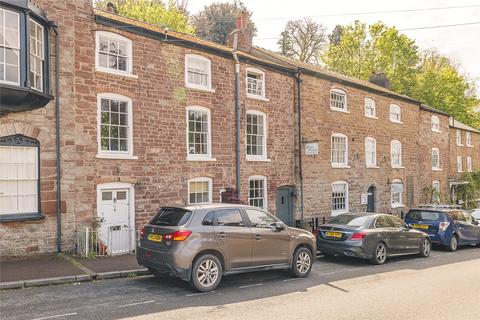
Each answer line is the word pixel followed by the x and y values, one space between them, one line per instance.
pixel 300 143
pixel 237 113
pixel 57 139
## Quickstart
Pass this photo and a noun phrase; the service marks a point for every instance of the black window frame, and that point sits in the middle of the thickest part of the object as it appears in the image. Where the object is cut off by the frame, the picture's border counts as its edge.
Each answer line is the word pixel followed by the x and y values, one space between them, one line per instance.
pixel 19 140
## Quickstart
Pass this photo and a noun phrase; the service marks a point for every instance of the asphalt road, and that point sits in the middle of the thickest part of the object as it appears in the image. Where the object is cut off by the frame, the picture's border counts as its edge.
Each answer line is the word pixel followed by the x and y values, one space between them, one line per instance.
pixel 444 286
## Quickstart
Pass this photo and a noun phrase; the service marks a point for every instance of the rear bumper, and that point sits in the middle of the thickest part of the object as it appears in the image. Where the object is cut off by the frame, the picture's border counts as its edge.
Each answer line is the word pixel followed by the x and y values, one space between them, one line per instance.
pixel 440 238
pixel 345 248
pixel 162 262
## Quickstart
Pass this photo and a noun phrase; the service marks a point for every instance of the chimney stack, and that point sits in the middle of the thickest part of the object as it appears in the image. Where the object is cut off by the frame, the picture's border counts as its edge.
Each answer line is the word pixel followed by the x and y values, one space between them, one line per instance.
pixel 245 35
pixel 380 79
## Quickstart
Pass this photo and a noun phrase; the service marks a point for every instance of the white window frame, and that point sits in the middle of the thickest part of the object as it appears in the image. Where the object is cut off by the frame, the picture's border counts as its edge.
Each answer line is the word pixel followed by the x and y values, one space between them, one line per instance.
pixel 373 164
pixel 17 83
pixel 459 164
pixel 335 212
pixel 262 157
pixel 208 87
pixel 339 164
pixel 374 108
pixel 392 111
pixel 115 154
pixel 436 165
pixel 265 194
pixel 332 102
pixel 396 204
pixel 258 72
pixel 469 164
pixel 468 139
pixel 392 149
pixel 210 187
pixel 199 157
pixel 435 124
pixel 38 55
pixel 117 37
pixel 458 137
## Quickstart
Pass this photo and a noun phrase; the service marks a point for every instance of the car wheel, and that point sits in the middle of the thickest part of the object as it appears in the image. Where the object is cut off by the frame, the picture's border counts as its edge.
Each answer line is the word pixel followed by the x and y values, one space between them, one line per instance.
pixel 302 262
pixel 206 273
pixel 453 245
pixel 426 248
pixel 379 254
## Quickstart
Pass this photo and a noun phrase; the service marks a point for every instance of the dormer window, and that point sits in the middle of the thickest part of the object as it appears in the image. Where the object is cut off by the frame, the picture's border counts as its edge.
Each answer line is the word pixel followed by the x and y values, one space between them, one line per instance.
pixel 255 83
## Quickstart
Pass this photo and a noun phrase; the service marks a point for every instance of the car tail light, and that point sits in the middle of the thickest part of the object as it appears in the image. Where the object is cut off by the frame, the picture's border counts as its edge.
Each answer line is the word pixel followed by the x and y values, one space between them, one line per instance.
pixel 142 232
pixel 179 235
pixel 443 225
pixel 358 236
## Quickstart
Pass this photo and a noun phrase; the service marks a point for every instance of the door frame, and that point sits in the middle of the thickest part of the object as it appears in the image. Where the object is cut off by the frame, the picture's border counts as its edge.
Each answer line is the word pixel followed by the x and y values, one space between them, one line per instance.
pixel 291 207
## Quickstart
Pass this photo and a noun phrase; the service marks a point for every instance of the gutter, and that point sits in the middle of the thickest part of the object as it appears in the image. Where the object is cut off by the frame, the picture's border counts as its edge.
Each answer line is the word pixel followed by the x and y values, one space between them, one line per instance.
pixel 237 114
pixel 299 123
pixel 58 209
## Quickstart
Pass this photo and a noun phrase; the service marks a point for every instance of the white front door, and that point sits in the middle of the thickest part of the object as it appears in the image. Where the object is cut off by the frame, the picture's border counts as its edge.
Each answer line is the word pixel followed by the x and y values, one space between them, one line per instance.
pixel 116 232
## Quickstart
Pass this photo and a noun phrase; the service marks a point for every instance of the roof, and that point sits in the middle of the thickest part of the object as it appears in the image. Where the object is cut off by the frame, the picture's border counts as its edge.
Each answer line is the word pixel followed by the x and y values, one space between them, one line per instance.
pixel 459 125
pixel 434 110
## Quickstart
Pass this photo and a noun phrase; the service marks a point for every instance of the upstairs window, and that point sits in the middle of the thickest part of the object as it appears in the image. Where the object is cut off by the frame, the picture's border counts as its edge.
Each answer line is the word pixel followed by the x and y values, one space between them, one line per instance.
pixel 395 113
pixel 36 55
pixel 257 191
pixel 435 124
pixel 469 164
pixel 459 137
pixel 255 83
pixel 435 159
pixel 256 135
pixel 200 190
pixel 339 150
pixel 339 197
pixel 370 110
pixel 9 47
pixel 371 152
pixel 396 190
pixel 396 154
pixel 468 139
pixel 198 133
pixel 197 72
pixel 459 164
pixel 338 100
pixel 114 53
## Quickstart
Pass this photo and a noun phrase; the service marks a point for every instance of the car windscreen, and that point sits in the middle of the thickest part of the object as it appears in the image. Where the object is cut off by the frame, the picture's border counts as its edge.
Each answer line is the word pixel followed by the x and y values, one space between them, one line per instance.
pixel 171 217
pixel 476 214
pixel 423 215
pixel 351 220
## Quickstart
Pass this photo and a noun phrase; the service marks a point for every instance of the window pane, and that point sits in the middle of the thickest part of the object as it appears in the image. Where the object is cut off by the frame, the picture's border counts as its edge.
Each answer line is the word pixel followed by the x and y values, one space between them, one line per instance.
pixel 257 193
pixel 198 140
pixel 229 218
pixel 260 219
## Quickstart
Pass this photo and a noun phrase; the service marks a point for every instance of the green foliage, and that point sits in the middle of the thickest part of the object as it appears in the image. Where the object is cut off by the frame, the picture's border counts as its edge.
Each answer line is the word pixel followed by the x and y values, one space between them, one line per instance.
pixel 152 11
pixel 470 192
pixel 217 20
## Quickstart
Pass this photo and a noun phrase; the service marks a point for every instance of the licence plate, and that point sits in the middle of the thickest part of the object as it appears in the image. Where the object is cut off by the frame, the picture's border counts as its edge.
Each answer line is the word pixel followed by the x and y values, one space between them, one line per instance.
pixel 420 226
pixel 333 234
pixel 155 237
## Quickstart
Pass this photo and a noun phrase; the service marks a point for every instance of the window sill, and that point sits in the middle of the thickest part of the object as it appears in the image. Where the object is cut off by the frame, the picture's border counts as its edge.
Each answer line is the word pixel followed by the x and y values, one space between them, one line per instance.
pixel 37 216
pixel 201 159
pixel 116 156
pixel 436 131
pixel 469 146
pixel 118 74
pixel 437 169
pixel 399 122
pixel 340 166
pixel 258 159
pixel 395 206
pixel 339 110
pixel 193 87
pixel 373 167
pixel 371 117
pixel 460 145
pixel 398 167
pixel 251 96
pixel 336 213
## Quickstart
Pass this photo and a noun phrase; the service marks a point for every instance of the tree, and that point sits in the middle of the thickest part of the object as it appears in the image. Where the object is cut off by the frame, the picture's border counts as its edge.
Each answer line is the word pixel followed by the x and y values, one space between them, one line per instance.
pixel 217 20
pixel 440 84
pixel 358 51
pixel 155 12
pixel 303 40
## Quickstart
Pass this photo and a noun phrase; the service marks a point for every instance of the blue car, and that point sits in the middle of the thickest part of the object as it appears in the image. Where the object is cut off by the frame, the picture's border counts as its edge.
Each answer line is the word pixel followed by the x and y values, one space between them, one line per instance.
pixel 448 227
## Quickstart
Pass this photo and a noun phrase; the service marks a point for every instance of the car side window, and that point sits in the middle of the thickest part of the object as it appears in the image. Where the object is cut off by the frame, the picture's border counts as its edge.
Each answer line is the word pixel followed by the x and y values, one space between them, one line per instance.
pixel 467 217
pixel 260 219
pixel 229 218
pixel 397 222
pixel 457 216
pixel 384 222
pixel 209 219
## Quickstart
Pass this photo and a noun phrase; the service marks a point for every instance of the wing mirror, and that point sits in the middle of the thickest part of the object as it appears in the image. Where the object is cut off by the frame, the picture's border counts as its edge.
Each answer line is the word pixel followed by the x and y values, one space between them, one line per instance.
pixel 475 222
pixel 279 226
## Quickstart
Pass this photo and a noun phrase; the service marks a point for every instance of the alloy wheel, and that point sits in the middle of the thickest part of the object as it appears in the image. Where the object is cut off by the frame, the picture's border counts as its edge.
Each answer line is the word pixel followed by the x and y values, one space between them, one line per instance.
pixel 303 262
pixel 426 247
pixel 454 243
pixel 207 273
pixel 381 253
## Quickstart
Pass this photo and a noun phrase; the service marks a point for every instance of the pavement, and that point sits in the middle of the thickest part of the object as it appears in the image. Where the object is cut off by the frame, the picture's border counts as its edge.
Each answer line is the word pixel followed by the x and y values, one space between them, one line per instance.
pixel 58 269
pixel 443 286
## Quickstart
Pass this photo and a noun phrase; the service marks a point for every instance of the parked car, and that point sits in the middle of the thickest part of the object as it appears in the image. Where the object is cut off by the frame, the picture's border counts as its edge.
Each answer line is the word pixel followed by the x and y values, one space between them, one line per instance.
pixel 371 236
pixel 476 214
pixel 202 243
pixel 448 227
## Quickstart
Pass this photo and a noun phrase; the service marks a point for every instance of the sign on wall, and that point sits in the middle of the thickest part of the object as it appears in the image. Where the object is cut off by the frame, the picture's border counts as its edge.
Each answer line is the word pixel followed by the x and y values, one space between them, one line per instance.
pixel 364 198
pixel 311 148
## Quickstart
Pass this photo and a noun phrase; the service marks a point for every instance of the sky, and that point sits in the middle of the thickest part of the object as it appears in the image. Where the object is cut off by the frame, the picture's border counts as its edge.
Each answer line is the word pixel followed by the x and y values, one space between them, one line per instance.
pixel 460 43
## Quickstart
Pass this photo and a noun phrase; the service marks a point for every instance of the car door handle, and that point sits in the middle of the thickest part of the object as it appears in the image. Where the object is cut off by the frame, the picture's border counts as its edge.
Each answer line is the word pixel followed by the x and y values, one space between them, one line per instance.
pixel 222 235
pixel 258 237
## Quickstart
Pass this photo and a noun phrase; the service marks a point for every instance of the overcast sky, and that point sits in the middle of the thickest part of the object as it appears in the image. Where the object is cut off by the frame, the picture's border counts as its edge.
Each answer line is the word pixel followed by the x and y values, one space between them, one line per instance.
pixel 460 43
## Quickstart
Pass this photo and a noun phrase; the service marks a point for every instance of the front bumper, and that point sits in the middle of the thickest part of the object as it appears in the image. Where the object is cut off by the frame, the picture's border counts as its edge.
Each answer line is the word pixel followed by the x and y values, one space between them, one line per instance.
pixel 162 262
pixel 345 248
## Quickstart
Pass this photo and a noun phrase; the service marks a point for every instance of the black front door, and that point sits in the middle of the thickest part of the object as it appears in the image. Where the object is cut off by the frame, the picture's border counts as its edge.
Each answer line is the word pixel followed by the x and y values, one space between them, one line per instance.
pixel 371 199
pixel 284 205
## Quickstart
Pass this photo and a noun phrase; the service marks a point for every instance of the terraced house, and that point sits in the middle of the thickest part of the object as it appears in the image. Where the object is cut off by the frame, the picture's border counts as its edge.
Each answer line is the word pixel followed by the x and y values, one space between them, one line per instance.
pixel 105 119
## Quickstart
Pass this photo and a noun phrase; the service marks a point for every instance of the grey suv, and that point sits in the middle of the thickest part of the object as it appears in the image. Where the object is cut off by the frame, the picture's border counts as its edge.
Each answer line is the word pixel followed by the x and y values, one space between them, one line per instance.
pixel 200 244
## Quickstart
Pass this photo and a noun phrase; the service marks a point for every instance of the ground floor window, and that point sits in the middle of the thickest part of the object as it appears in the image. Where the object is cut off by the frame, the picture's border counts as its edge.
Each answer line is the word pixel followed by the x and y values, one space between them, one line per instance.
pixel 257 191
pixel 339 197
pixel 19 175
pixel 397 193
pixel 200 190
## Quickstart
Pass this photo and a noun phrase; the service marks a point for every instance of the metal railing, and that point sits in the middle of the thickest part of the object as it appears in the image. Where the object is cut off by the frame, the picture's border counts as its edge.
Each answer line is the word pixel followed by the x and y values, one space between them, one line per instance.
pixel 105 241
